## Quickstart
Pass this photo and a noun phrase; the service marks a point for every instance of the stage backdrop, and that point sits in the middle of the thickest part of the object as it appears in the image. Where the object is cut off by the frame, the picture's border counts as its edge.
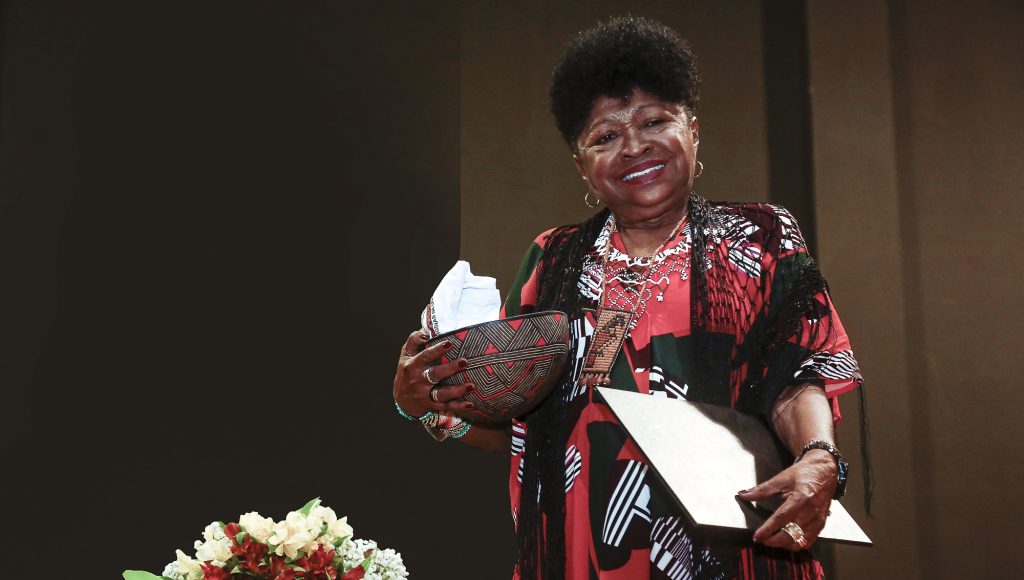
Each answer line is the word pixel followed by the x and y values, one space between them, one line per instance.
pixel 218 224
pixel 219 221
pixel 893 131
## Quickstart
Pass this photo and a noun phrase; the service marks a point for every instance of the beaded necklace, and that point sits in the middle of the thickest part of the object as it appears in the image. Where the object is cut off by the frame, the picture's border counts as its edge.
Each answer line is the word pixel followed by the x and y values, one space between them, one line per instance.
pixel 613 324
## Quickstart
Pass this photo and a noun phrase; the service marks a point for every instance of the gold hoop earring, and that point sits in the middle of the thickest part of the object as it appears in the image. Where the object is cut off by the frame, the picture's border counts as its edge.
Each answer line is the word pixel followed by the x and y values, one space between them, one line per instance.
pixel 700 170
pixel 586 200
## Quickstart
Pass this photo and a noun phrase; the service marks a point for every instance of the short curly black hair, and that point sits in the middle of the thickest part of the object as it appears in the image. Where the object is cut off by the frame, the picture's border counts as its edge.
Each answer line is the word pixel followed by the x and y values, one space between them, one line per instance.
pixel 612 59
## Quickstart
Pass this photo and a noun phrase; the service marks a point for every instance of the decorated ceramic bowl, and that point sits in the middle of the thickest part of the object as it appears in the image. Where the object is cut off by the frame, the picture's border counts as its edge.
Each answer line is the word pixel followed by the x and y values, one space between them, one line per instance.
pixel 513 362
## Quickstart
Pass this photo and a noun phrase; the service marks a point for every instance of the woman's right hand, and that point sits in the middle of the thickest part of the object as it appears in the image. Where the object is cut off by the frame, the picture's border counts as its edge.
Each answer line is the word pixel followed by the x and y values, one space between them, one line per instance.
pixel 412 390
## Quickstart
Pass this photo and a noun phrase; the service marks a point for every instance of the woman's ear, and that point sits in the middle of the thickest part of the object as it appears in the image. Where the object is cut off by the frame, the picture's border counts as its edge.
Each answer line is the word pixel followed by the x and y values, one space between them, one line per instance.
pixel 695 132
pixel 578 160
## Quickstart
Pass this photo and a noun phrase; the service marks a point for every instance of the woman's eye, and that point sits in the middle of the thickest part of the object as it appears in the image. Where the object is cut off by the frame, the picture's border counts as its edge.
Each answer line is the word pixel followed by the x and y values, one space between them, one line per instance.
pixel 653 122
pixel 606 138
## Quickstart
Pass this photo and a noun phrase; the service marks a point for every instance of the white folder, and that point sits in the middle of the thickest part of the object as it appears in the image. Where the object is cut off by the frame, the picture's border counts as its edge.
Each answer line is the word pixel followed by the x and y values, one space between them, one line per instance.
pixel 706 453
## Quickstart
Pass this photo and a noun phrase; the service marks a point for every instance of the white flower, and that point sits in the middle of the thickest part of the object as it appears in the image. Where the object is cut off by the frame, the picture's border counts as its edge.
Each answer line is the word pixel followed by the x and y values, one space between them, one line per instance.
pixel 214 531
pixel 291 535
pixel 319 516
pixel 260 528
pixel 184 568
pixel 340 529
pixel 386 564
pixel 315 524
pixel 216 551
pixel 324 518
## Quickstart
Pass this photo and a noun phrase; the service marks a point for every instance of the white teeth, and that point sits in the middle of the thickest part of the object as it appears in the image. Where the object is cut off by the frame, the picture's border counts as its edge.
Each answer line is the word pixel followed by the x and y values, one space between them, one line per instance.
pixel 633 176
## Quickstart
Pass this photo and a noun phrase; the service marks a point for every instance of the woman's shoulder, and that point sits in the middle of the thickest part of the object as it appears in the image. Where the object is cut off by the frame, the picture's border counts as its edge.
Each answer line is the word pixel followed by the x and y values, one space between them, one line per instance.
pixel 769 225
pixel 753 210
pixel 522 295
pixel 556 233
pixel 588 228
pixel 542 238
pixel 535 250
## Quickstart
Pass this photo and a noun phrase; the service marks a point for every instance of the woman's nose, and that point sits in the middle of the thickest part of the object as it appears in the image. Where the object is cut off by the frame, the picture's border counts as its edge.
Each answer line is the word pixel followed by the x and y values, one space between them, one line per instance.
pixel 633 143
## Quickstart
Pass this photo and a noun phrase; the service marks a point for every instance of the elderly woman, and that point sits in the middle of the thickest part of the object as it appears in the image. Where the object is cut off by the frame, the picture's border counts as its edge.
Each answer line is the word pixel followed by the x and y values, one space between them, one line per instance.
pixel 722 304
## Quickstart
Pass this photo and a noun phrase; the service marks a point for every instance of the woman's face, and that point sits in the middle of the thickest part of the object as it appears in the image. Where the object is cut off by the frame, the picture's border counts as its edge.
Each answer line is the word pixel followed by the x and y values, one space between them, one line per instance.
pixel 637 155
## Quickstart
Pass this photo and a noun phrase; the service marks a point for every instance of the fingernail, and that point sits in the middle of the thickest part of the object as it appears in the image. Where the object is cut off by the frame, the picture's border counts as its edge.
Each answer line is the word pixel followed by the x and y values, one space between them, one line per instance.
pixel 463 363
pixel 470 406
pixel 470 388
pixel 745 490
pixel 446 344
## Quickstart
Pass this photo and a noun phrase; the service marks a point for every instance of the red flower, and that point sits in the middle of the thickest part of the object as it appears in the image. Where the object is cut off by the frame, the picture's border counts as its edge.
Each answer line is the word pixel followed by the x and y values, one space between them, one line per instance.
pixel 278 570
pixel 250 553
pixel 356 573
pixel 231 530
pixel 318 564
pixel 211 572
pixel 277 566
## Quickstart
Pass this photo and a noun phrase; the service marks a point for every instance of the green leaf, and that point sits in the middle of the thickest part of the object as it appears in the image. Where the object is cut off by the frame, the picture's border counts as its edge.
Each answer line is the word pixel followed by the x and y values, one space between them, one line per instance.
pixel 309 506
pixel 240 538
pixel 368 561
pixel 140 575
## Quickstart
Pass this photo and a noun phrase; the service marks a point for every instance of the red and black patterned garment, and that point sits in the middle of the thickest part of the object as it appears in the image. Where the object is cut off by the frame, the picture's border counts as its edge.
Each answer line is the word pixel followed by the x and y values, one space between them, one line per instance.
pixel 620 523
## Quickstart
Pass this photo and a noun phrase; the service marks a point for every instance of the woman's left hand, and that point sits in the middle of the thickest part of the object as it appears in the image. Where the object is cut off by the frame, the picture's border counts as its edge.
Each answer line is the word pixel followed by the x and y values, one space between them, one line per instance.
pixel 807 488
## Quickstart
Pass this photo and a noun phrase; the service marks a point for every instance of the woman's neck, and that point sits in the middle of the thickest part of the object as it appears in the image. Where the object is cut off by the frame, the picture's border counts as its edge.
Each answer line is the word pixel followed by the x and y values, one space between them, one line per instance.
pixel 644 238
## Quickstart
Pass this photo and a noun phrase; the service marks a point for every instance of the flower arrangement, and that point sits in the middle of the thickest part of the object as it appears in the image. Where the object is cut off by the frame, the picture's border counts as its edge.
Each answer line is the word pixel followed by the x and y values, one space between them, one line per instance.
pixel 312 543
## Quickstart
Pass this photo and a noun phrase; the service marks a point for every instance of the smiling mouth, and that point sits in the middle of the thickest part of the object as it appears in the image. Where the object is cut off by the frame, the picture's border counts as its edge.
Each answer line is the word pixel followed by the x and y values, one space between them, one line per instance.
pixel 643 172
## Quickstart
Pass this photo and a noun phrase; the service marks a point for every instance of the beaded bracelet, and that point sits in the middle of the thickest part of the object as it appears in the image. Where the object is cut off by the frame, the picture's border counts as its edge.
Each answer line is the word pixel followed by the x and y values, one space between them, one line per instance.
pixel 409 417
pixel 446 425
pixel 459 431
pixel 842 467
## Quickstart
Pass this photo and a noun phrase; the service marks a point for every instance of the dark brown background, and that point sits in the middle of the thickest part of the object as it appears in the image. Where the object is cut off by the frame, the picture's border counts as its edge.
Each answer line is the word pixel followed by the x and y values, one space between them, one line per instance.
pixel 219 221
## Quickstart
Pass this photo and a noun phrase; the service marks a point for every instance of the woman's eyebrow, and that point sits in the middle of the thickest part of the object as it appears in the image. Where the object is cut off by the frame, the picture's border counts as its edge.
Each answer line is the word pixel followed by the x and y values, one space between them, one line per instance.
pixel 599 122
pixel 614 117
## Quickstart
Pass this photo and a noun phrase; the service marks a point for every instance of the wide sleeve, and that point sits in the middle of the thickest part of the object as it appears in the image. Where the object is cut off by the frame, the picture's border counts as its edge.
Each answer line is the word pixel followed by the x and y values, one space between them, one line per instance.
pixel 806 342
pixel 832 364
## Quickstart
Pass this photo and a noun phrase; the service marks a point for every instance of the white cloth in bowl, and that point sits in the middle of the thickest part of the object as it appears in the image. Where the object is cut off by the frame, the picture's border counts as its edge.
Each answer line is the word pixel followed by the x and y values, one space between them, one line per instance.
pixel 461 299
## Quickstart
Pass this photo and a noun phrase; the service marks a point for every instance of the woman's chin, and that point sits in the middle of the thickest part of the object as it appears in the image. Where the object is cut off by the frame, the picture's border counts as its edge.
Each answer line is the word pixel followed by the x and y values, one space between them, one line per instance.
pixel 648 203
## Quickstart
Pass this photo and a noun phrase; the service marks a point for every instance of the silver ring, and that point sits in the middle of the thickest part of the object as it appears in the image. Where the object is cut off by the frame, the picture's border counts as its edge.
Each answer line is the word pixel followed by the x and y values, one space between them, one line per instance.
pixel 795 533
pixel 433 394
pixel 426 375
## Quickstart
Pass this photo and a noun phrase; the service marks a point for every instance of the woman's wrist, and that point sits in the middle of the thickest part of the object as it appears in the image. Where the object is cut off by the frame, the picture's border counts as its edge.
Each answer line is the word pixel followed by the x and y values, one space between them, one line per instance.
pixel 407 408
pixel 822 458
pixel 445 425
pixel 824 455
pixel 411 416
